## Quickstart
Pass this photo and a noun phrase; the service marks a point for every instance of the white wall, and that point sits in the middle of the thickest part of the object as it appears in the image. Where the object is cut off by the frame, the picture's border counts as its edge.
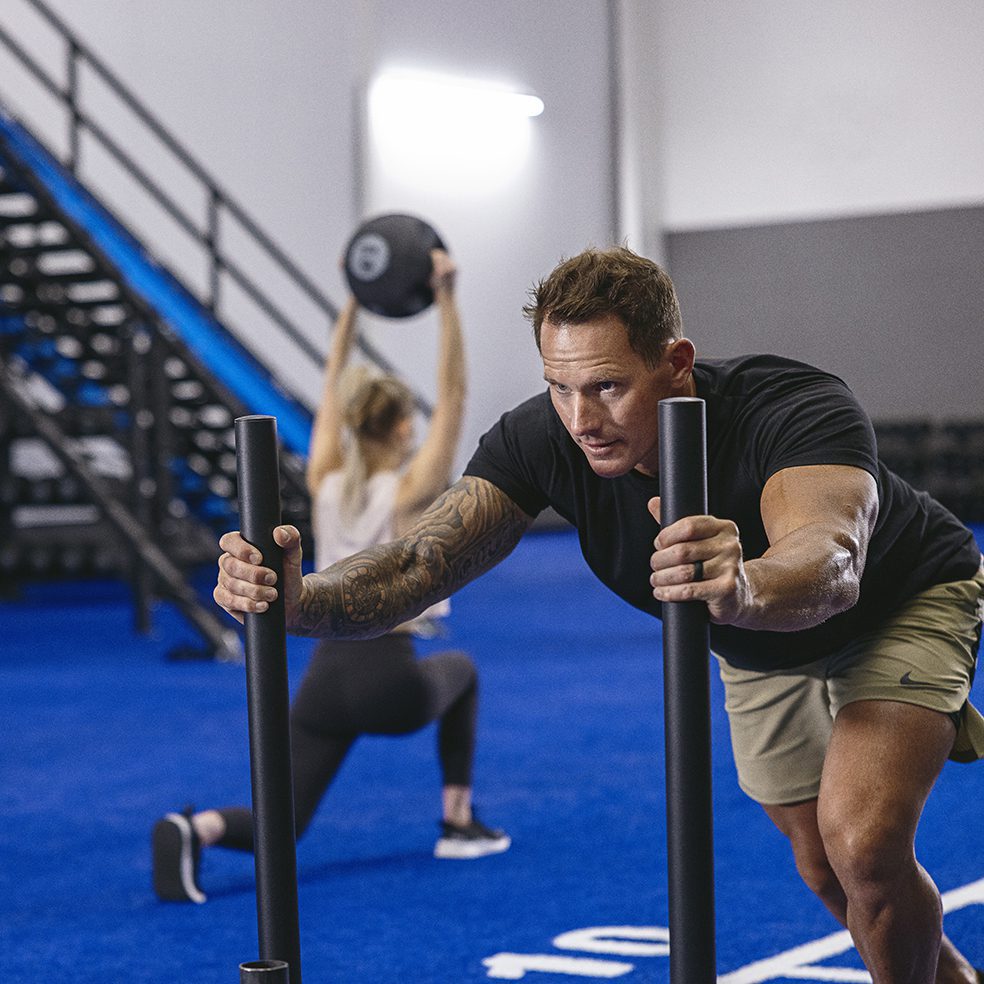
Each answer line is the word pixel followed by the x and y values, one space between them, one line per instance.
pixel 504 235
pixel 792 109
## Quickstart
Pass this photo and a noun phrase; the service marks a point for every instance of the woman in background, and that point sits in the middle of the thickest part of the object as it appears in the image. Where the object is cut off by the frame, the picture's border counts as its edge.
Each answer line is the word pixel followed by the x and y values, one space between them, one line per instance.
pixel 367 485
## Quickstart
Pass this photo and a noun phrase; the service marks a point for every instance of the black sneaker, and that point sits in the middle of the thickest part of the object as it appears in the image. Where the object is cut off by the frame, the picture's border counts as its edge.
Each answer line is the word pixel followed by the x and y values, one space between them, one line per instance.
pixel 474 841
pixel 176 853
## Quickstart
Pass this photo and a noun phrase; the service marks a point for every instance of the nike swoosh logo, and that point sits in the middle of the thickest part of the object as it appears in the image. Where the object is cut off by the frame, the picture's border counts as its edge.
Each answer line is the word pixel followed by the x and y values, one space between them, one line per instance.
pixel 907 681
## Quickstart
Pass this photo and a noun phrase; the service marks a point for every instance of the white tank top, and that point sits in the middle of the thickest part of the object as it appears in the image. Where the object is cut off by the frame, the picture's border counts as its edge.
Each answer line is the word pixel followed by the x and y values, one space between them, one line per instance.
pixel 335 538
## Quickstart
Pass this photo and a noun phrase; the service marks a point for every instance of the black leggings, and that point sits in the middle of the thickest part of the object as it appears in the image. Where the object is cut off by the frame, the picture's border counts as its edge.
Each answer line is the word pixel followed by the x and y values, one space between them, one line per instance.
pixel 371 687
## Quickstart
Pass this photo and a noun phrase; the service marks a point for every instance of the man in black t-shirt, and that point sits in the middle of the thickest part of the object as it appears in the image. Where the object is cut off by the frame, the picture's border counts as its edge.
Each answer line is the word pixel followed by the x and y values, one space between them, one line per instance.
pixel 845 607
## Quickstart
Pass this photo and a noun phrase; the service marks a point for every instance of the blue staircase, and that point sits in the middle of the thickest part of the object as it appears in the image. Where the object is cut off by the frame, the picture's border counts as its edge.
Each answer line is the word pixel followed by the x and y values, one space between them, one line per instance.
pixel 120 391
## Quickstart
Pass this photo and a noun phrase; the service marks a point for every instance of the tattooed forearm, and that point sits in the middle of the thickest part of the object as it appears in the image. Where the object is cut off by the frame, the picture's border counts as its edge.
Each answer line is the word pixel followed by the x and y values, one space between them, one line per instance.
pixel 466 531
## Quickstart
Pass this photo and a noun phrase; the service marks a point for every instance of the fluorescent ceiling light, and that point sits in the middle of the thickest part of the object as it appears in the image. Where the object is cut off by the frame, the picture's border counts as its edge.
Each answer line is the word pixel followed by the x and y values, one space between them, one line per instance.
pixel 459 137
pixel 466 136
pixel 420 94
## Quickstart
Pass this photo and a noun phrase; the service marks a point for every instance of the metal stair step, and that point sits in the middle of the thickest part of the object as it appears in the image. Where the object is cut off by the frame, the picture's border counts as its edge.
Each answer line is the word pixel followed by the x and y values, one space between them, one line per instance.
pixel 35 218
pixel 70 278
pixel 55 300
pixel 34 250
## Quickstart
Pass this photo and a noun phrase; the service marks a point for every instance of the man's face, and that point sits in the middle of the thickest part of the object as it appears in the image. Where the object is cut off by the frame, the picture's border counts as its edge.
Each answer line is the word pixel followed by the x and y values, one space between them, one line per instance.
pixel 605 393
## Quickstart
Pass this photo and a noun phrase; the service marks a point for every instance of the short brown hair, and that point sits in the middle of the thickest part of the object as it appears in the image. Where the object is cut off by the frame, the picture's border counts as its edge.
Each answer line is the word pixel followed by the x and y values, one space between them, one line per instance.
pixel 614 281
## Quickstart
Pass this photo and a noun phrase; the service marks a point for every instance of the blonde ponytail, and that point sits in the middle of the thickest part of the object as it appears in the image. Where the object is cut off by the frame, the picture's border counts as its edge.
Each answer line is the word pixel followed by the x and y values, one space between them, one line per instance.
pixel 372 405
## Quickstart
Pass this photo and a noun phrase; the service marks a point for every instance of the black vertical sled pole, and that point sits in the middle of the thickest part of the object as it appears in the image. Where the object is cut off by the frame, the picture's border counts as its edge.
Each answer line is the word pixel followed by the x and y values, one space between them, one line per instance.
pixel 689 834
pixel 268 697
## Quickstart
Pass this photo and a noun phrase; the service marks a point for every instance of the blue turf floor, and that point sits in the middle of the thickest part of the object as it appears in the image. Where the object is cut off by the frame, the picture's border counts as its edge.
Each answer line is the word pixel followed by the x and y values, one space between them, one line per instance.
pixel 102 734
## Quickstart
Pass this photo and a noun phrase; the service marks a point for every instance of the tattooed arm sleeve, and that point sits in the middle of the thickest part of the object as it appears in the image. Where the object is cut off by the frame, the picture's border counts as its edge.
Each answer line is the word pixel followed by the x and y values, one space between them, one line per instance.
pixel 464 533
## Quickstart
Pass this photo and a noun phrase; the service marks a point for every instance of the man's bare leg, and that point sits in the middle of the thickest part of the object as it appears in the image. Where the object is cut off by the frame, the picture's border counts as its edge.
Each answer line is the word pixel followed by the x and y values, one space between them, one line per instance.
pixel 892 908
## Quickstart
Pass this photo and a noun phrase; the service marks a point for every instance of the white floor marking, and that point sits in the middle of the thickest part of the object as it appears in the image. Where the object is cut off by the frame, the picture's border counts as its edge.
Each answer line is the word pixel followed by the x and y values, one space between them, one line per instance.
pixel 798 963
pixel 794 964
pixel 618 941
pixel 513 966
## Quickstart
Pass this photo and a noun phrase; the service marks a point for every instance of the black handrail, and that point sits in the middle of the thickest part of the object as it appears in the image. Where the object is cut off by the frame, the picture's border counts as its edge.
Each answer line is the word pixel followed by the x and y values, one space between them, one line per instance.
pixel 219 201
pixel 77 49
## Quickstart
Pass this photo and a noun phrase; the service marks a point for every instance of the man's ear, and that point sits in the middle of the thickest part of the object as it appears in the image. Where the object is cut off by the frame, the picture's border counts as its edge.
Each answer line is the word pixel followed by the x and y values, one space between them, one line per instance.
pixel 681 354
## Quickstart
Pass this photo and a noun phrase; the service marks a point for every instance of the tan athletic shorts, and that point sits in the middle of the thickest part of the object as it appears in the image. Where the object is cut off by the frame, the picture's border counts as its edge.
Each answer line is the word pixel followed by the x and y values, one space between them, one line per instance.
pixel 923 654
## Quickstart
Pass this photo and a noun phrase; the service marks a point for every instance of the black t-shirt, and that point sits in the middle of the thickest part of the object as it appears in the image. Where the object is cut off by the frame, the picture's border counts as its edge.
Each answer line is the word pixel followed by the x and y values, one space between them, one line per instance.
pixel 764 413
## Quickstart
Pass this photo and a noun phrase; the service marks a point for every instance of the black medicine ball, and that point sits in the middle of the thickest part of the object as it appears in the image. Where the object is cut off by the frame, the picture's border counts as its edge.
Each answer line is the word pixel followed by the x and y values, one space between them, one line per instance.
pixel 388 265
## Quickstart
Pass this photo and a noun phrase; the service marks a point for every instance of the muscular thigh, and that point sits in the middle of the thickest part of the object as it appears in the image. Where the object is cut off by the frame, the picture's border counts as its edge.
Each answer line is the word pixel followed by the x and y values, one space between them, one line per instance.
pixel 883 760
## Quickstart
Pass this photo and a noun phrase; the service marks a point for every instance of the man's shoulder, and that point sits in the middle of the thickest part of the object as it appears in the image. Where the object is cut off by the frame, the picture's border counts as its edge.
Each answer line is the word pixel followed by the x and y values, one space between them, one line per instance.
pixel 534 418
pixel 524 427
pixel 757 363
pixel 519 453
pixel 746 375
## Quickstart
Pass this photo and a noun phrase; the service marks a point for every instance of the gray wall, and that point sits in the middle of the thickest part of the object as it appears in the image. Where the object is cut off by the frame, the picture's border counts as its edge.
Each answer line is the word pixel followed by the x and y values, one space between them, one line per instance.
pixel 894 304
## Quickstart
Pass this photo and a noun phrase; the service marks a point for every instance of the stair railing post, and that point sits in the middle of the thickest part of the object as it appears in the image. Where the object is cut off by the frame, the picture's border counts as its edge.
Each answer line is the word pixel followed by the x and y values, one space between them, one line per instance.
pixel 72 90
